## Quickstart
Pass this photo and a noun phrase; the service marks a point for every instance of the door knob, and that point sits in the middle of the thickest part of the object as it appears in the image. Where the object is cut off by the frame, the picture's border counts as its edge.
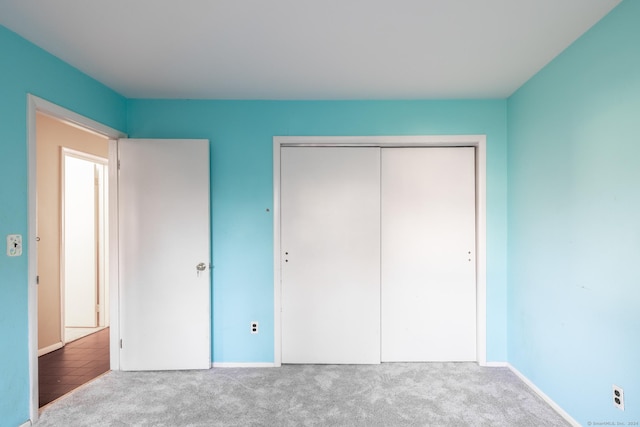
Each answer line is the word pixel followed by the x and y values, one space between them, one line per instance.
pixel 200 267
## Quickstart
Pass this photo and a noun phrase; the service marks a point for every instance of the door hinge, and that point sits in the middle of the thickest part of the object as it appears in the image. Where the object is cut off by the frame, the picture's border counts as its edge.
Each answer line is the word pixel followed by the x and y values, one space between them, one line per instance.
pixel 37 280
pixel 120 343
pixel 118 164
pixel 98 308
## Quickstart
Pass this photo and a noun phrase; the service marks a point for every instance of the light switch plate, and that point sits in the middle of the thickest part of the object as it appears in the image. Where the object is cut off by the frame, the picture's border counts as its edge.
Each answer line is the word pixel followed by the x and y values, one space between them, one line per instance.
pixel 14 245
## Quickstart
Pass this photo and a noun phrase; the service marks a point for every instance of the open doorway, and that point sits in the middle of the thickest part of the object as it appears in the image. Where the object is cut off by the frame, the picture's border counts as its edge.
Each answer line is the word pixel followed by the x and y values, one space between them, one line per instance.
pixel 72 250
pixel 37 105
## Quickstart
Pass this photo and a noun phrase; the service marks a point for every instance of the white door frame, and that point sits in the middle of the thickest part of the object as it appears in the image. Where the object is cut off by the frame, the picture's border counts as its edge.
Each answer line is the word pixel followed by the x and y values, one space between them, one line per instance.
pixel 39 105
pixel 477 141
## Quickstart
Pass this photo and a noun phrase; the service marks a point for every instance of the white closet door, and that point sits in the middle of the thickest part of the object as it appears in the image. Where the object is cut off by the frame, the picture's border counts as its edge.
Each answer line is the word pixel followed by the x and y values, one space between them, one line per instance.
pixel 428 254
pixel 330 234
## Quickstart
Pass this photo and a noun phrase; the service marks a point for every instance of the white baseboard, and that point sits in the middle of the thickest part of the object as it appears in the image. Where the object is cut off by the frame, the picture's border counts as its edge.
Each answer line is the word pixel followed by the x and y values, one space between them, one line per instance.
pixel 26 424
pixel 544 397
pixel 49 349
pixel 495 364
pixel 242 365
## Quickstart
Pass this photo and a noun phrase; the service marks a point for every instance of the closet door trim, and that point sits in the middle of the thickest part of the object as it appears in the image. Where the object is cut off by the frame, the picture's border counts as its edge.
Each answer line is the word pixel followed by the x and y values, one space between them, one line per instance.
pixel 477 141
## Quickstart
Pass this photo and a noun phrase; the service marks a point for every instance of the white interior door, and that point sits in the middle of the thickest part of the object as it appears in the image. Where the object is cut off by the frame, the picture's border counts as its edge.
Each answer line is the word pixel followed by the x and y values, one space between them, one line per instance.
pixel 428 254
pixel 163 236
pixel 80 265
pixel 330 234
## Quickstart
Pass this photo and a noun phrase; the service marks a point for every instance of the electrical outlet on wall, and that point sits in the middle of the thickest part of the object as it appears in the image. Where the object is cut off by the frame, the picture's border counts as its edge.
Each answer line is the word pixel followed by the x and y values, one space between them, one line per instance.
pixel 618 397
pixel 14 245
pixel 254 327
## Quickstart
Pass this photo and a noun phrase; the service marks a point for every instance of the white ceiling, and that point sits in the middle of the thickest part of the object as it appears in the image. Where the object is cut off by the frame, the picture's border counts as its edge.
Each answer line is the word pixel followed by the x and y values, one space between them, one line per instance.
pixel 306 49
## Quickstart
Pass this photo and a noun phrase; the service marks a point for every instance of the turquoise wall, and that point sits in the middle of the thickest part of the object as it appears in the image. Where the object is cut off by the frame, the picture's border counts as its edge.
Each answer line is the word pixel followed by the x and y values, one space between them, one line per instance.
pixel 25 68
pixel 574 222
pixel 241 135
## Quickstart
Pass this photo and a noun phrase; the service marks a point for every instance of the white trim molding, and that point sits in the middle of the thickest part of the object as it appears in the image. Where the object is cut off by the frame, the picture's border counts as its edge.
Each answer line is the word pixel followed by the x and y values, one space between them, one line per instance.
pixel 544 397
pixel 39 105
pixel 477 141
pixel 49 349
pixel 242 365
pixel 494 365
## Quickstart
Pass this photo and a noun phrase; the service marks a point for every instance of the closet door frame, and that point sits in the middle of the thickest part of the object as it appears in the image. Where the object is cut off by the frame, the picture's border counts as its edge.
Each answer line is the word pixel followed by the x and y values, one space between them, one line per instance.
pixel 476 141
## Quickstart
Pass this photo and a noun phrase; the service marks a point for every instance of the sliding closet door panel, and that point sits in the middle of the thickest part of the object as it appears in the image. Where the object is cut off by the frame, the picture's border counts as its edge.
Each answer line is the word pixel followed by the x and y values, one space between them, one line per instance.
pixel 330 225
pixel 428 254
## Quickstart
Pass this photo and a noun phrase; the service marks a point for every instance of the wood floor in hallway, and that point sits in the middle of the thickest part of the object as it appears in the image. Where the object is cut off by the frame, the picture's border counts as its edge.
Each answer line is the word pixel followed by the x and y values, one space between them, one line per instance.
pixel 73 365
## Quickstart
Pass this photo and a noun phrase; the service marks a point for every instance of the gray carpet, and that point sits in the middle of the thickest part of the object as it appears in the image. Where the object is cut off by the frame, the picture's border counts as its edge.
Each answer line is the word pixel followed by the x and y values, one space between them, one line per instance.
pixel 393 394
